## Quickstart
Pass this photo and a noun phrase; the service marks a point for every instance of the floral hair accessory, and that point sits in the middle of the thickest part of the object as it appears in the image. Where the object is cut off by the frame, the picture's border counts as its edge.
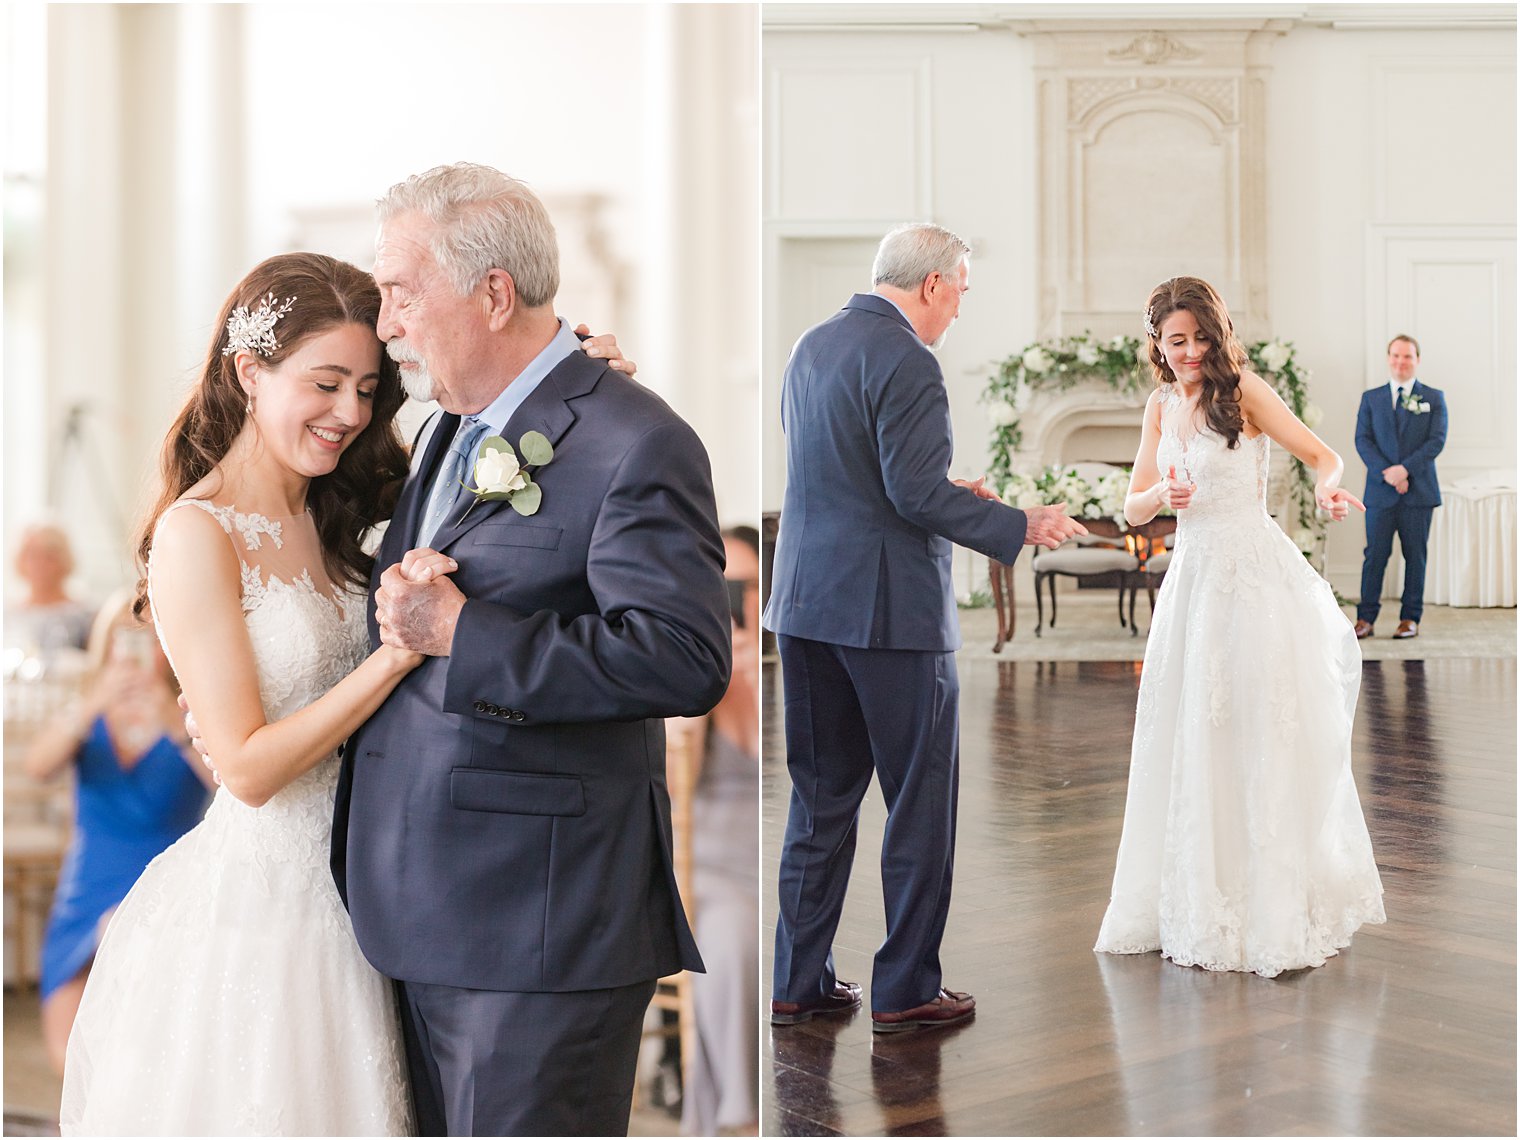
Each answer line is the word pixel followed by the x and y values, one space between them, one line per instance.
pixel 254 331
pixel 1150 329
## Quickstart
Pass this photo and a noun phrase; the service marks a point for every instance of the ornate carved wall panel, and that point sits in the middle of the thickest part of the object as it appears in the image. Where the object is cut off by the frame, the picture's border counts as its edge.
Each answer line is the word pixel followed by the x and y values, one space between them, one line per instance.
pixel 1152 164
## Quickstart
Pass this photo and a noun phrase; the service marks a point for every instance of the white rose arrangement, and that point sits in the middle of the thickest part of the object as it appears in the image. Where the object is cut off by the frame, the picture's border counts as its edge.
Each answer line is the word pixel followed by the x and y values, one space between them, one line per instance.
pixel 499 474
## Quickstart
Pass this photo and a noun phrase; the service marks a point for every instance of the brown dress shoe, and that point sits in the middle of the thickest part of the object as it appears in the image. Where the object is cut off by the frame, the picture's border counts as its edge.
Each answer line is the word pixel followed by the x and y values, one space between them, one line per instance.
pixel 1407 629
pixel 947 1009
pixel 846 996
pixel 1363 629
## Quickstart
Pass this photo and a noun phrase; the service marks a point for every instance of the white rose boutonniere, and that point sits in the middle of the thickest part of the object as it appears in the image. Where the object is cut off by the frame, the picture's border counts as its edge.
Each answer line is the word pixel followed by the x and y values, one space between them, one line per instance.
pixel 1413 404
pixel 499 474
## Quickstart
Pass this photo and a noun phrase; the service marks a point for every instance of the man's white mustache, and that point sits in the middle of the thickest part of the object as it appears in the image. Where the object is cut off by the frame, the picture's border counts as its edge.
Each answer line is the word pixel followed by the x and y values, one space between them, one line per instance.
pixel 401 352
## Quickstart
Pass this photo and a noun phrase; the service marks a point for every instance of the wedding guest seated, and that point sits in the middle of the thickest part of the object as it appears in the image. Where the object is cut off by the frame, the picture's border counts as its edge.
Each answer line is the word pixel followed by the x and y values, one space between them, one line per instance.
pixel 48 619
pixel 138 788
pixel 725 746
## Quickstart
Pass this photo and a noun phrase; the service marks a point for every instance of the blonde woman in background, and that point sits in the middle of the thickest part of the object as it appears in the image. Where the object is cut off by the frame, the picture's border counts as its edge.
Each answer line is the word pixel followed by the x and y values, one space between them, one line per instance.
pixel 138 787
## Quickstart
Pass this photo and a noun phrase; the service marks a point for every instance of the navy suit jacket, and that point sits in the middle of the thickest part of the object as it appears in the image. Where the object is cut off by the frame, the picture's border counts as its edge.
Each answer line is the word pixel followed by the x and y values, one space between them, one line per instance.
pixel 863 556
pixel 502 820
pixel 1386 435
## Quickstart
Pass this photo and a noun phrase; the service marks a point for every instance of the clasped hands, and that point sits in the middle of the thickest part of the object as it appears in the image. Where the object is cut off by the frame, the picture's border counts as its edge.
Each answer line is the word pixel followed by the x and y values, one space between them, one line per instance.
pixel 417 604
pixel 1397 477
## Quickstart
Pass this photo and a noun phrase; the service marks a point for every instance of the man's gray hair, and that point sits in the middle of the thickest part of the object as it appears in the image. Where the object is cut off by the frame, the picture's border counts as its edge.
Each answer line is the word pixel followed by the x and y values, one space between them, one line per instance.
pixel 485 220
pixel 910 253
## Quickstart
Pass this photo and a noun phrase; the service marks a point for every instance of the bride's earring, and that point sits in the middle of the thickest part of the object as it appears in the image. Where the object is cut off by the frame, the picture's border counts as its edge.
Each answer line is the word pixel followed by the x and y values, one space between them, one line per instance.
pixel 249 407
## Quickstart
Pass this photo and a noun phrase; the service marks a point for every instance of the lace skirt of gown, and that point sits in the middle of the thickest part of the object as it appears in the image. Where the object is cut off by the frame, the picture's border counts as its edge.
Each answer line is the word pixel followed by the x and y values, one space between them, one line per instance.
pixel 1244 846
pixel 229 996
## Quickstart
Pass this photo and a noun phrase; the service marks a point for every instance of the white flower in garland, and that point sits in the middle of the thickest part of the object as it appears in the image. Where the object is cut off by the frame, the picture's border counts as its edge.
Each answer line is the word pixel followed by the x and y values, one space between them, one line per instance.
pixel 1087 354
pixel 1304 539
pixel 1275 355
pixel 1002 414
pixel 1037 360
pixel 1118 343
pixel 1313 415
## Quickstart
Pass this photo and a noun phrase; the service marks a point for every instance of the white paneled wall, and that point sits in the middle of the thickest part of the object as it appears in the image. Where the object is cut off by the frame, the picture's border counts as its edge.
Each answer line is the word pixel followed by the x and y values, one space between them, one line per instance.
pixel 1387 195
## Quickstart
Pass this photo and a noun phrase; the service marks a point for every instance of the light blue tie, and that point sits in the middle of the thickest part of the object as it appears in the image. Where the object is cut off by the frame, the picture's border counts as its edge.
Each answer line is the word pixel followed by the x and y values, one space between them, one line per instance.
pixel 455 469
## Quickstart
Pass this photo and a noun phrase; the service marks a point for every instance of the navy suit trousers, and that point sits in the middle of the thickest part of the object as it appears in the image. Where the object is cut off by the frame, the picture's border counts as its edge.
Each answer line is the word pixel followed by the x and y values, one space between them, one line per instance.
pixel 498 1063
pixel 1412 525
pixel 850 712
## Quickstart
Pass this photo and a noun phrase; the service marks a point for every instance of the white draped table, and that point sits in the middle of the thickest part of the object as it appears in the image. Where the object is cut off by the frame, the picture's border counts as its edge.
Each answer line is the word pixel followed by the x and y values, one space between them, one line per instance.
pixel 1471 558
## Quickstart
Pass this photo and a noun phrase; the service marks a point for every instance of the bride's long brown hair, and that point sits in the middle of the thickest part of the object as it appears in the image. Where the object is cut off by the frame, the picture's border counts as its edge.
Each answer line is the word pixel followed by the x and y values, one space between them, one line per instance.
pixel 1222 363
pixel 361 490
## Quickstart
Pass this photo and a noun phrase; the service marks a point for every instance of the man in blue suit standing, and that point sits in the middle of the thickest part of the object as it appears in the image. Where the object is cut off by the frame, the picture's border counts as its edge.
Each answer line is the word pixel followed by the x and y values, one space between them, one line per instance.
pixel 502 829
pixel 862 604
pixel 1400 429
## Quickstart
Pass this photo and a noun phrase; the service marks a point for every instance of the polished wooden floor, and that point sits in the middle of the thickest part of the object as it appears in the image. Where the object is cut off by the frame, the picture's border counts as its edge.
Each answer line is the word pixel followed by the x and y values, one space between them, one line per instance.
pixel 1410 1031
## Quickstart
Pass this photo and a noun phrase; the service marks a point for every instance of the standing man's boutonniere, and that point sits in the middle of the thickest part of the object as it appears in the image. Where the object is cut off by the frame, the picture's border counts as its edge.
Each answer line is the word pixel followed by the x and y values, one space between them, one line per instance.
pixel 1413 404
pixel 499 475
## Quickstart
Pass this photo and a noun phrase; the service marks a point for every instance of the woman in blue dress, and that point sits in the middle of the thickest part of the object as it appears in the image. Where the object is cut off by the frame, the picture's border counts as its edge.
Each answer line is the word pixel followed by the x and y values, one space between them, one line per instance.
pixel 138 788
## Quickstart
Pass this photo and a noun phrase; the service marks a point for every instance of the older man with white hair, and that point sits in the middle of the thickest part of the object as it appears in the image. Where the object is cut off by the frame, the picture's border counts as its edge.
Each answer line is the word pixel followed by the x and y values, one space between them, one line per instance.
pixel 862 604
pixel 502 835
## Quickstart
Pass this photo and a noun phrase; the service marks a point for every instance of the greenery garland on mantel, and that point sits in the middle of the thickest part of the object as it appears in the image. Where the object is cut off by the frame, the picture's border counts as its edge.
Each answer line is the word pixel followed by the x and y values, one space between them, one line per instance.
pixel 1122 364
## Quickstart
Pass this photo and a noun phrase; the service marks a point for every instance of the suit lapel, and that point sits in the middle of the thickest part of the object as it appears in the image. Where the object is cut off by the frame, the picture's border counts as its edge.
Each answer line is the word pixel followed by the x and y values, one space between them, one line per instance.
pixel 547 411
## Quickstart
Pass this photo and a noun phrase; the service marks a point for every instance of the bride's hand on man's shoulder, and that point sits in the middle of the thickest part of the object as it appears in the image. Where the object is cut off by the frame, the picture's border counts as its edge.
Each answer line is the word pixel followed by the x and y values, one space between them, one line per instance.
pixel 604 346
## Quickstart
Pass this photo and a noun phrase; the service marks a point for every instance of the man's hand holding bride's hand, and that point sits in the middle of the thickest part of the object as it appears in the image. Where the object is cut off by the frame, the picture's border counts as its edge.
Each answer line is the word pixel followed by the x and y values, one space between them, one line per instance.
pixel 1049 526
pixel 979 487
pixel 418 605
pixel 604 346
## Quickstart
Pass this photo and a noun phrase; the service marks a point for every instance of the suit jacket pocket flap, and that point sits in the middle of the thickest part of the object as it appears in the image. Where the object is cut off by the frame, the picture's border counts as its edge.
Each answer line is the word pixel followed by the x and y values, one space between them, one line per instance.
pixel 516 534
pixel 516 793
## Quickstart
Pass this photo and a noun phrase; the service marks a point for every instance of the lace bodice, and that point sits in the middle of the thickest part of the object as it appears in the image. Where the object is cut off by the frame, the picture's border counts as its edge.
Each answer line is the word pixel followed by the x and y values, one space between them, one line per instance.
pixel 1231 484
pixel 307 635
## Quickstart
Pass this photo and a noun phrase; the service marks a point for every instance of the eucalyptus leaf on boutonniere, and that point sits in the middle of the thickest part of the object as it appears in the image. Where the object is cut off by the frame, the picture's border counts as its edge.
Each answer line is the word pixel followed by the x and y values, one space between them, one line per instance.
pixel 499 474
pixel 1413 404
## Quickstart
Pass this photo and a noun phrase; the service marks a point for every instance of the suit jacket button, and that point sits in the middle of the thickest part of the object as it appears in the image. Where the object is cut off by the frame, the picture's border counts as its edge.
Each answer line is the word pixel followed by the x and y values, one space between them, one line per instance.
pixel 492 709
pixel 480 706
pixel 503 712
pixel 518 715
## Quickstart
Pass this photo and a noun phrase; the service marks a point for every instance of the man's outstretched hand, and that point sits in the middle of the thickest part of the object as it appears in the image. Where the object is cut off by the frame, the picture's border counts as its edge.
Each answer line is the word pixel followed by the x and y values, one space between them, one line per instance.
pixel 1049 526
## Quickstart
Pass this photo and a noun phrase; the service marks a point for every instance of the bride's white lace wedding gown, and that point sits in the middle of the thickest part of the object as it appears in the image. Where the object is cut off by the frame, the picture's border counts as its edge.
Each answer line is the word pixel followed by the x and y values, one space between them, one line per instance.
pixel 228 996
pixel 1244 846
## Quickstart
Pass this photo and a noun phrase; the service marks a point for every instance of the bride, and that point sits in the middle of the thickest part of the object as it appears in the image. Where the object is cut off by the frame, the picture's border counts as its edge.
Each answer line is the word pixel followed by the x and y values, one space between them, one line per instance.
pixel 228 995
pixel 1244 846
